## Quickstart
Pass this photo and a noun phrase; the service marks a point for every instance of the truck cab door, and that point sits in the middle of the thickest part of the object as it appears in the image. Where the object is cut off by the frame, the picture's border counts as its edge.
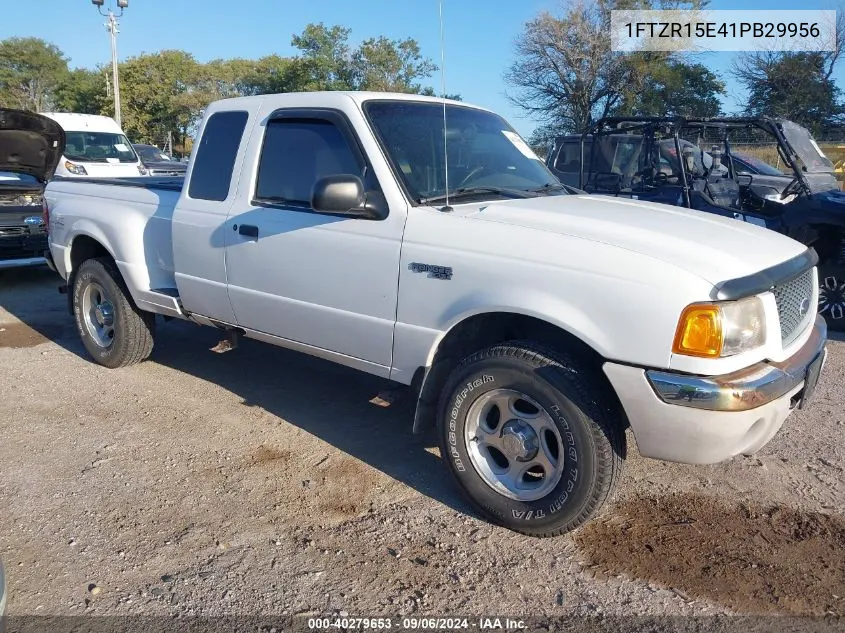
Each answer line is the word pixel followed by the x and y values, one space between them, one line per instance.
pixel 199 220
pixel 327 282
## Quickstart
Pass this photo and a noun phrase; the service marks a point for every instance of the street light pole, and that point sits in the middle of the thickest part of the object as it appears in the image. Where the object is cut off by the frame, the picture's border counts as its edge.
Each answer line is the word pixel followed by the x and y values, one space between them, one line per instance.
pixel 111 25
pixel 112 28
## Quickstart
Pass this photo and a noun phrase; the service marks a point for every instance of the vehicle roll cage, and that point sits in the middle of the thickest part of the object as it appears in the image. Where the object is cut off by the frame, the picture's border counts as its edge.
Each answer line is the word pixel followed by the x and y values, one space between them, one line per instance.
pixel 673 127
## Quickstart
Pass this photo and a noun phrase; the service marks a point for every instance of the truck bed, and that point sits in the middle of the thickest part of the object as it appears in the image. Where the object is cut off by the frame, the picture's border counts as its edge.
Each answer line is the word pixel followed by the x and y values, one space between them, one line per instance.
pixel 167 183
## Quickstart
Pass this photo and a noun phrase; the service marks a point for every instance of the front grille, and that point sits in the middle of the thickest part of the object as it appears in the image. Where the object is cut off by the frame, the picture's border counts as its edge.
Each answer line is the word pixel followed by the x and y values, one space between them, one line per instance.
pixel 795 305
pixel 22 246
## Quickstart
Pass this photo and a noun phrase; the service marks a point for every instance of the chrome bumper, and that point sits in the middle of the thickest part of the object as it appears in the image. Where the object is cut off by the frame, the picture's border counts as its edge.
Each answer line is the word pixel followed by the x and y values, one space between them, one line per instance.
pixel 748 388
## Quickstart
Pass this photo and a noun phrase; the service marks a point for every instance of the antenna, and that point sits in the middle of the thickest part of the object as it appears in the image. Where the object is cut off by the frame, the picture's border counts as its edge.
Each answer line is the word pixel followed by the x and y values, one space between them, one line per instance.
pixel 447 208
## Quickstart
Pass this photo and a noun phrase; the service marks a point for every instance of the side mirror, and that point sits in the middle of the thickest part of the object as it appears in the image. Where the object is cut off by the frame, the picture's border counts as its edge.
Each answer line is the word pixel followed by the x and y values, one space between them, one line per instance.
pixel 343 194
pixel 743 180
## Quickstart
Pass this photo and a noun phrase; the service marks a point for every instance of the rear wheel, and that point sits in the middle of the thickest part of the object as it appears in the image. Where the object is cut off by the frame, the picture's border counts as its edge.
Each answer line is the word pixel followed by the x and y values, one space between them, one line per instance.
pixel 530 438
pixel 113 330
pixel 832 295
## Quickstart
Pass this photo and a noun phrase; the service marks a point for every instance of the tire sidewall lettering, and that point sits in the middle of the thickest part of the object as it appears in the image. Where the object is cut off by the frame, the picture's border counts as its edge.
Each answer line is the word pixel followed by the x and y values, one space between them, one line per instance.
pixel 472 387
pixel 454 412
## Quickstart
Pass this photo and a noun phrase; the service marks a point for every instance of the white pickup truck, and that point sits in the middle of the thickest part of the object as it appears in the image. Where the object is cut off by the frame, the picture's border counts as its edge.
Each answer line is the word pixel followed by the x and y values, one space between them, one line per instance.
pixel 422 241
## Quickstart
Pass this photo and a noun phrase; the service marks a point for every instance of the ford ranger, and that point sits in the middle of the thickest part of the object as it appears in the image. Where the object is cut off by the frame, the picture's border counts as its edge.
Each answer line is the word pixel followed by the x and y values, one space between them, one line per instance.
pixel 422 241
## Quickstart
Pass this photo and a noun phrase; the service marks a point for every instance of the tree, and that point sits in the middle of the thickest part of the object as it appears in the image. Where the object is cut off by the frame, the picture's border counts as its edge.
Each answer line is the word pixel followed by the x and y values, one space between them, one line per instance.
pixel 166 92
pixel 30 71
pixel 567 75
pixel 565 72
pixel 160 93
pixel 678 88
pixel 272 74
pixel 327 62
pixel 84 91
pixel 796 86
pixel 389 65
pixel 326 57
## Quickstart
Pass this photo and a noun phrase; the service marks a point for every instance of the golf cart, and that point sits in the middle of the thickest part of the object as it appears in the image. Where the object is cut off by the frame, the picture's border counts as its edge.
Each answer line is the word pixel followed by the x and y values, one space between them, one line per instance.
pixel 692 163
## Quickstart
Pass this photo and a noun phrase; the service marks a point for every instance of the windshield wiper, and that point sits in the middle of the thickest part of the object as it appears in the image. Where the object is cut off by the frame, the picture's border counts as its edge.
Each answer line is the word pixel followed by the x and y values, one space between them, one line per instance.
pixel 554 186
pixel 465 192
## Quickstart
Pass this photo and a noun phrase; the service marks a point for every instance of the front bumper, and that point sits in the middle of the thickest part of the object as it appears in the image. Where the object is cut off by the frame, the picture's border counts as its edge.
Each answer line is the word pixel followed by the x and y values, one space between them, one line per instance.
pixel 22 249
pixel 707 419
pixel 22 262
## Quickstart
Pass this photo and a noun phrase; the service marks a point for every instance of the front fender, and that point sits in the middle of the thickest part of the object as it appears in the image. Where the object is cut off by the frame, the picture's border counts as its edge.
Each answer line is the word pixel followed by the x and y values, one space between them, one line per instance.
pixel 545 306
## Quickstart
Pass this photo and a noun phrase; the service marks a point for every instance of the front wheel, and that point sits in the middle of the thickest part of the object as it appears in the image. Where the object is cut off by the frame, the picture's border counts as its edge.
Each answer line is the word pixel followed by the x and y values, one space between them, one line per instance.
pixel 113 330
pixel 531 438
pixel 832 295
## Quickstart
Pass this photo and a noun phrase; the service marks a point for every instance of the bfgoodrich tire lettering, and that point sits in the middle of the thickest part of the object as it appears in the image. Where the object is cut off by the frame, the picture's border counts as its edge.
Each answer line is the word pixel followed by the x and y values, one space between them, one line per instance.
pixel 558 391
pixel 113 330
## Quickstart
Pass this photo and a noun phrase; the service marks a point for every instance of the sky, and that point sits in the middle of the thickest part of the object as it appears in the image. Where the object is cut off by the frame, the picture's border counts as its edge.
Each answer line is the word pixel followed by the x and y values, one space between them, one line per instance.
pixel 479 34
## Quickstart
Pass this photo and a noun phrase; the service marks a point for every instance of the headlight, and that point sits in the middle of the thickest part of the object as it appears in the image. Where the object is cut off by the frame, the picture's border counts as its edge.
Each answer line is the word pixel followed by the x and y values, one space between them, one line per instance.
pixel 714 330
pixel 77 170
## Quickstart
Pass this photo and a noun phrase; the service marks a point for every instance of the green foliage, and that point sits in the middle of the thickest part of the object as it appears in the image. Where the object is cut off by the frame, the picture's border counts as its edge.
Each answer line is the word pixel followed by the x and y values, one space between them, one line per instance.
pixel 166 92
pixel 30 72
pixel 325 57
pixel 796 86
pixel 389 65
pixel 84 91
pixel 678 88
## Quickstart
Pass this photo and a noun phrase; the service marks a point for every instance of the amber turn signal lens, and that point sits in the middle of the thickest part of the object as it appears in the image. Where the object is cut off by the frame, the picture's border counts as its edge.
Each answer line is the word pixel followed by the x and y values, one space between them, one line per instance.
pixel 699 331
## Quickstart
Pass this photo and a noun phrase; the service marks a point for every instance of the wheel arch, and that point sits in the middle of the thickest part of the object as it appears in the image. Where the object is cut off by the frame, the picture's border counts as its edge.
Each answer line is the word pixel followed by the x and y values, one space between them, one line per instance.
pixel 485 329
pixel 85 245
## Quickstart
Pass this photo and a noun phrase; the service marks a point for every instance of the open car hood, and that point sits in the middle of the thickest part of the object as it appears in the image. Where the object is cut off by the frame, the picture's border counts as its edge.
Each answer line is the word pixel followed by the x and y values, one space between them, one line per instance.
pixel 30 143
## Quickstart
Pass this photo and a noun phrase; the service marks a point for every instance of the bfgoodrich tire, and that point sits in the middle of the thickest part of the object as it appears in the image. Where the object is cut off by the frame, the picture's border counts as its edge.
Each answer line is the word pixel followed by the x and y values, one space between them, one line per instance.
pixel 114 331
pixel 832 295
pixel 531 437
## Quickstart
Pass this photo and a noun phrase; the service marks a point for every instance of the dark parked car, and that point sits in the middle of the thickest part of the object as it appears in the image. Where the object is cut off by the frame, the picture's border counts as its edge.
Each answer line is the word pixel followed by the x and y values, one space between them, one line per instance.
pixel 659 159
pixel 767 181
pixel 158 163
pixel 30 148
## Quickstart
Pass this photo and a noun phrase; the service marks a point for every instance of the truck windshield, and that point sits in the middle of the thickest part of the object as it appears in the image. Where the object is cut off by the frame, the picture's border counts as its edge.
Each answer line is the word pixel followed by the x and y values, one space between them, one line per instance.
pixel 486 157
pixel 99 147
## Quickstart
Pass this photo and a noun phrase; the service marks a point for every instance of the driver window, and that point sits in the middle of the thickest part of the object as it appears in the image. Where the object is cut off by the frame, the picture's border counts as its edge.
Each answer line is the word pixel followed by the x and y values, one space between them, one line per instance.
pixel 296 154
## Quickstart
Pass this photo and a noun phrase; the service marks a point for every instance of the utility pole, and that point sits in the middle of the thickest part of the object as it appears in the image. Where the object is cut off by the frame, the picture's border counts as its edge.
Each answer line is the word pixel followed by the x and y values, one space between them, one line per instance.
pixel 112 27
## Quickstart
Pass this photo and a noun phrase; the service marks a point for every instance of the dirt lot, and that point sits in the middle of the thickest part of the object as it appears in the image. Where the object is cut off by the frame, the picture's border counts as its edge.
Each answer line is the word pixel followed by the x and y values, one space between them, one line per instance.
pixel 263 481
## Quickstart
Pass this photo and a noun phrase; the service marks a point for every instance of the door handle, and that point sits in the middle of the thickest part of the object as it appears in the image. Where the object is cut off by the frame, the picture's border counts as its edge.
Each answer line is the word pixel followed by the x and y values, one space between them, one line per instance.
pixel 248 230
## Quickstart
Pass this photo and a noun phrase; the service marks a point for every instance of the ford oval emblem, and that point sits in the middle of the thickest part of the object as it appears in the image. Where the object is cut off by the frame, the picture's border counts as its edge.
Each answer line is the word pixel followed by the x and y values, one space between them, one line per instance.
pixel 804 308
pixel 34 220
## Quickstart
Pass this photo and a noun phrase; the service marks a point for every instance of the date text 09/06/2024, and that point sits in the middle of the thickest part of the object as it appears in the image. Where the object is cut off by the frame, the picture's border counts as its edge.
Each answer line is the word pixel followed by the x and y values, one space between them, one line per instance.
pixel 416 624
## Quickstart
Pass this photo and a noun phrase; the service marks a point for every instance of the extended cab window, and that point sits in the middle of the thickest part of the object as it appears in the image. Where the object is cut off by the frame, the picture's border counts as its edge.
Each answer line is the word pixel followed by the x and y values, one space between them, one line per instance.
pixel 212 173
pixel 296 154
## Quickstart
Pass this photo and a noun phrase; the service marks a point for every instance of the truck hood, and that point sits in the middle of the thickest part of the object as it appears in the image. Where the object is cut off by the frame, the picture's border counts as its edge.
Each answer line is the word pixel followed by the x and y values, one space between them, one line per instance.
pixel 709 246
pixel 30 143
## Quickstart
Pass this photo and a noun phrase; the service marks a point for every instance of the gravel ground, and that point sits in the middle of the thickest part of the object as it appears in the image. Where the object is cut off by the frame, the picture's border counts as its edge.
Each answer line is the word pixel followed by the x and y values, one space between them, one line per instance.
pixel 261 481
